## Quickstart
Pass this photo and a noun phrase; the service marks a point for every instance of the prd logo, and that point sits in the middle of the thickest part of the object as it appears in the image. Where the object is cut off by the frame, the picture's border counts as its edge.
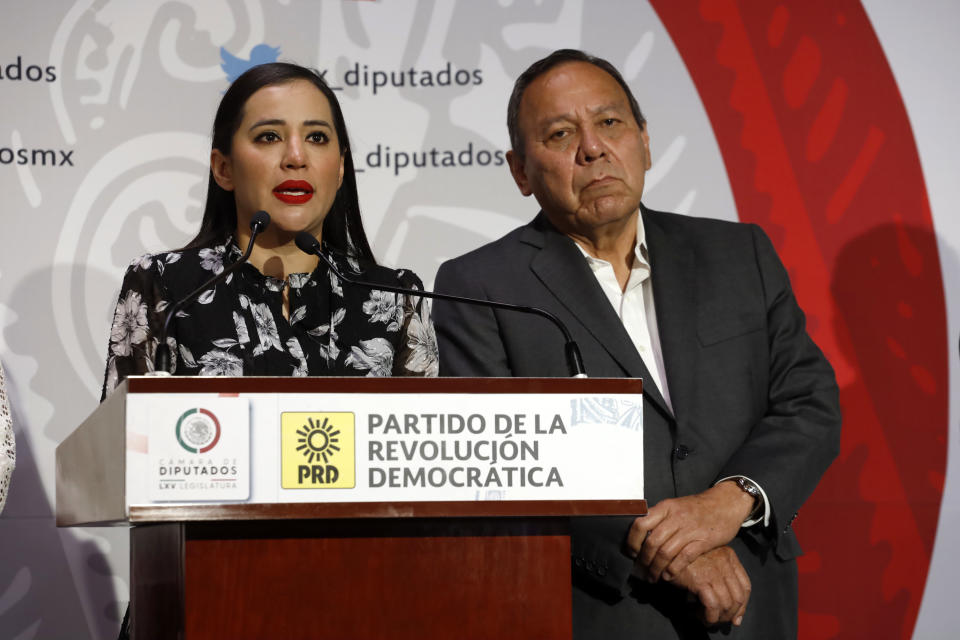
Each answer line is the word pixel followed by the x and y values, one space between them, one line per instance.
pixel 317 450
pixel 318 440
pixel 198 430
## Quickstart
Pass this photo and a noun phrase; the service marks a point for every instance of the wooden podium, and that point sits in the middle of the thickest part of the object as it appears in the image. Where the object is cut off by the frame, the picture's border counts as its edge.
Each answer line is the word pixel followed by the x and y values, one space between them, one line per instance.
pixel 465 569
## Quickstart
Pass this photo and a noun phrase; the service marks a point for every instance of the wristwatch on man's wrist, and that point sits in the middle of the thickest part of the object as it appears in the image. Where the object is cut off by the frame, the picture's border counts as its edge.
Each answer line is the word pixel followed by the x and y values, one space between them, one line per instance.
pixel 750 488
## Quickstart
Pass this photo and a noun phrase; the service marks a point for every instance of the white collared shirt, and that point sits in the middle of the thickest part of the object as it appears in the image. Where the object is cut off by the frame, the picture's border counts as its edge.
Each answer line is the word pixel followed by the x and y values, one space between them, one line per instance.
pixel 635 308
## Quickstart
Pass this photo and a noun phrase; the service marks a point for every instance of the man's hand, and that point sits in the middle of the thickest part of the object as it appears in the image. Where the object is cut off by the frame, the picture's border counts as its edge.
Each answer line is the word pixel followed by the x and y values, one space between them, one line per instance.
pixel 720 583
pixel 676 532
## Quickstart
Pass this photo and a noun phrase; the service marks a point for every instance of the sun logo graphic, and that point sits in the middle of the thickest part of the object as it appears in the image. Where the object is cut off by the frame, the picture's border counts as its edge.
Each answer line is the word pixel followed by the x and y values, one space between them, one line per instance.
pixel 317 450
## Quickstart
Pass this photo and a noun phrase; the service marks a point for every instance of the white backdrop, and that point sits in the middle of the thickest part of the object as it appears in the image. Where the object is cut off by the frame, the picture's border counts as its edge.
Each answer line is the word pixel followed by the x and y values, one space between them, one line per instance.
pixel 125 100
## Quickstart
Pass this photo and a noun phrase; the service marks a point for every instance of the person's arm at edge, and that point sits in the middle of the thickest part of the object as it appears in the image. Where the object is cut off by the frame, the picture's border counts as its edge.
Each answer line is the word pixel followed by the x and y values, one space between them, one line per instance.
pixel 136 326
pixel 789 450
pixel 418 342
pixel 8 450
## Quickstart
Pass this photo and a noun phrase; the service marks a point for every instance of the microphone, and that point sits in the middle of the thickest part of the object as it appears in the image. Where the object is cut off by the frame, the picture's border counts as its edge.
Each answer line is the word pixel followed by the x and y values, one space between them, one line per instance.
pixel 308 244
pixel 161 360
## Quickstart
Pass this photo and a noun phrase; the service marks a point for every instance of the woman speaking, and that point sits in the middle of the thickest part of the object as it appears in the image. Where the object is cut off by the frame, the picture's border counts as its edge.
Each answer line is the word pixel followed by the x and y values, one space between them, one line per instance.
pixel 279 145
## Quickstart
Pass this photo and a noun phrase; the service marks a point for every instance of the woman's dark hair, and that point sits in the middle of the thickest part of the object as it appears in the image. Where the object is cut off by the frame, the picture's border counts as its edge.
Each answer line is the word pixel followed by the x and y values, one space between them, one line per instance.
pixel 342 228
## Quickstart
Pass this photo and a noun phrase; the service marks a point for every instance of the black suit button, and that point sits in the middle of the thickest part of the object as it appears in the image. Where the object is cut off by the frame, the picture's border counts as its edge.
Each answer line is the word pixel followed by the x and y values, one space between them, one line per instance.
pixel 601 571
pixel 681 452
pixel 578 562
pixel 590 566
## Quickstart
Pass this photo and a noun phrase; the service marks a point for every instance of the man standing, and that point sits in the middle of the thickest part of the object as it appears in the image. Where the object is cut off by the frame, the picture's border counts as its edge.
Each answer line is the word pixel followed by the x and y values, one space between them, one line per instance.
pixel 741 415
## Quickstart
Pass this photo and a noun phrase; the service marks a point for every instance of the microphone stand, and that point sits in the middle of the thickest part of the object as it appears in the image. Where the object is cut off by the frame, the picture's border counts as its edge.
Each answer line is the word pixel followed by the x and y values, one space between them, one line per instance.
pixel 161 360
pixel 308 244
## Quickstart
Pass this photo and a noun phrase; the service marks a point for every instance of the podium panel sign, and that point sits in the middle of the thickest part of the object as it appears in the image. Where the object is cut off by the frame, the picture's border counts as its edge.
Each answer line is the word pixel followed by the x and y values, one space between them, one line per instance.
pixel 199 452
pixel 382 447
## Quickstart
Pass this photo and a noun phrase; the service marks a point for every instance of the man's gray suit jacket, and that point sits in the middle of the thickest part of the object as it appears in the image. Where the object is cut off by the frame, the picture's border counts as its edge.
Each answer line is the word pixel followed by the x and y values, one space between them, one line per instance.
pixel 752 395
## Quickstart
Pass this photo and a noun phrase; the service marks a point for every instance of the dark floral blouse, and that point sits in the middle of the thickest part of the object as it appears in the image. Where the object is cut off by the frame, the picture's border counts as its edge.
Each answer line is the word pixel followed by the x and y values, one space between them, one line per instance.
pixel 238 328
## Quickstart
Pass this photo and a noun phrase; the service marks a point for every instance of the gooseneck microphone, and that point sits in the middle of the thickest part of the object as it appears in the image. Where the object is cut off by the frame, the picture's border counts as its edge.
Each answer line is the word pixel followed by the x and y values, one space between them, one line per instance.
pixel 309 244
pixel 161 360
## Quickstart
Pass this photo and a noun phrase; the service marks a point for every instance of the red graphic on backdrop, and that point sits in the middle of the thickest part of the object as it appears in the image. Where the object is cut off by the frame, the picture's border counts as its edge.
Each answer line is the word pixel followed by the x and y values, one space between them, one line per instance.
pixel 820 153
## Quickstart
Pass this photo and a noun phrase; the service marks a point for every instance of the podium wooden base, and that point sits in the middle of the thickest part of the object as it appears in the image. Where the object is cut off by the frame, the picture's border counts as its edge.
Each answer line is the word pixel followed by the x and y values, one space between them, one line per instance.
pixel 372 578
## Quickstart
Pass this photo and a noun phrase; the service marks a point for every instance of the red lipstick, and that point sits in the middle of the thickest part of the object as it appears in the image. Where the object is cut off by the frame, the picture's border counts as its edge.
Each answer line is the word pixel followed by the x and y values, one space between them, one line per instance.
pixel 293 192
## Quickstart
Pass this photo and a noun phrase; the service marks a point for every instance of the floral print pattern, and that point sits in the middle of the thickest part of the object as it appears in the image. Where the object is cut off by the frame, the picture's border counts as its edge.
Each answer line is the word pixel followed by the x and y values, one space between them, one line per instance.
pixel 239 328
pixel 423 345
pixel 220 363
pixel 374 356
pixel 129 324
pixel 383 307
pixel 266 329
pixel 212 259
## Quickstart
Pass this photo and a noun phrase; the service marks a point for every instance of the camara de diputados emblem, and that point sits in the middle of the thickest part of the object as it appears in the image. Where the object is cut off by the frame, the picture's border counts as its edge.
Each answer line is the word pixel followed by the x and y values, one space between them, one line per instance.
pixel 198 430
pixel 317 450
